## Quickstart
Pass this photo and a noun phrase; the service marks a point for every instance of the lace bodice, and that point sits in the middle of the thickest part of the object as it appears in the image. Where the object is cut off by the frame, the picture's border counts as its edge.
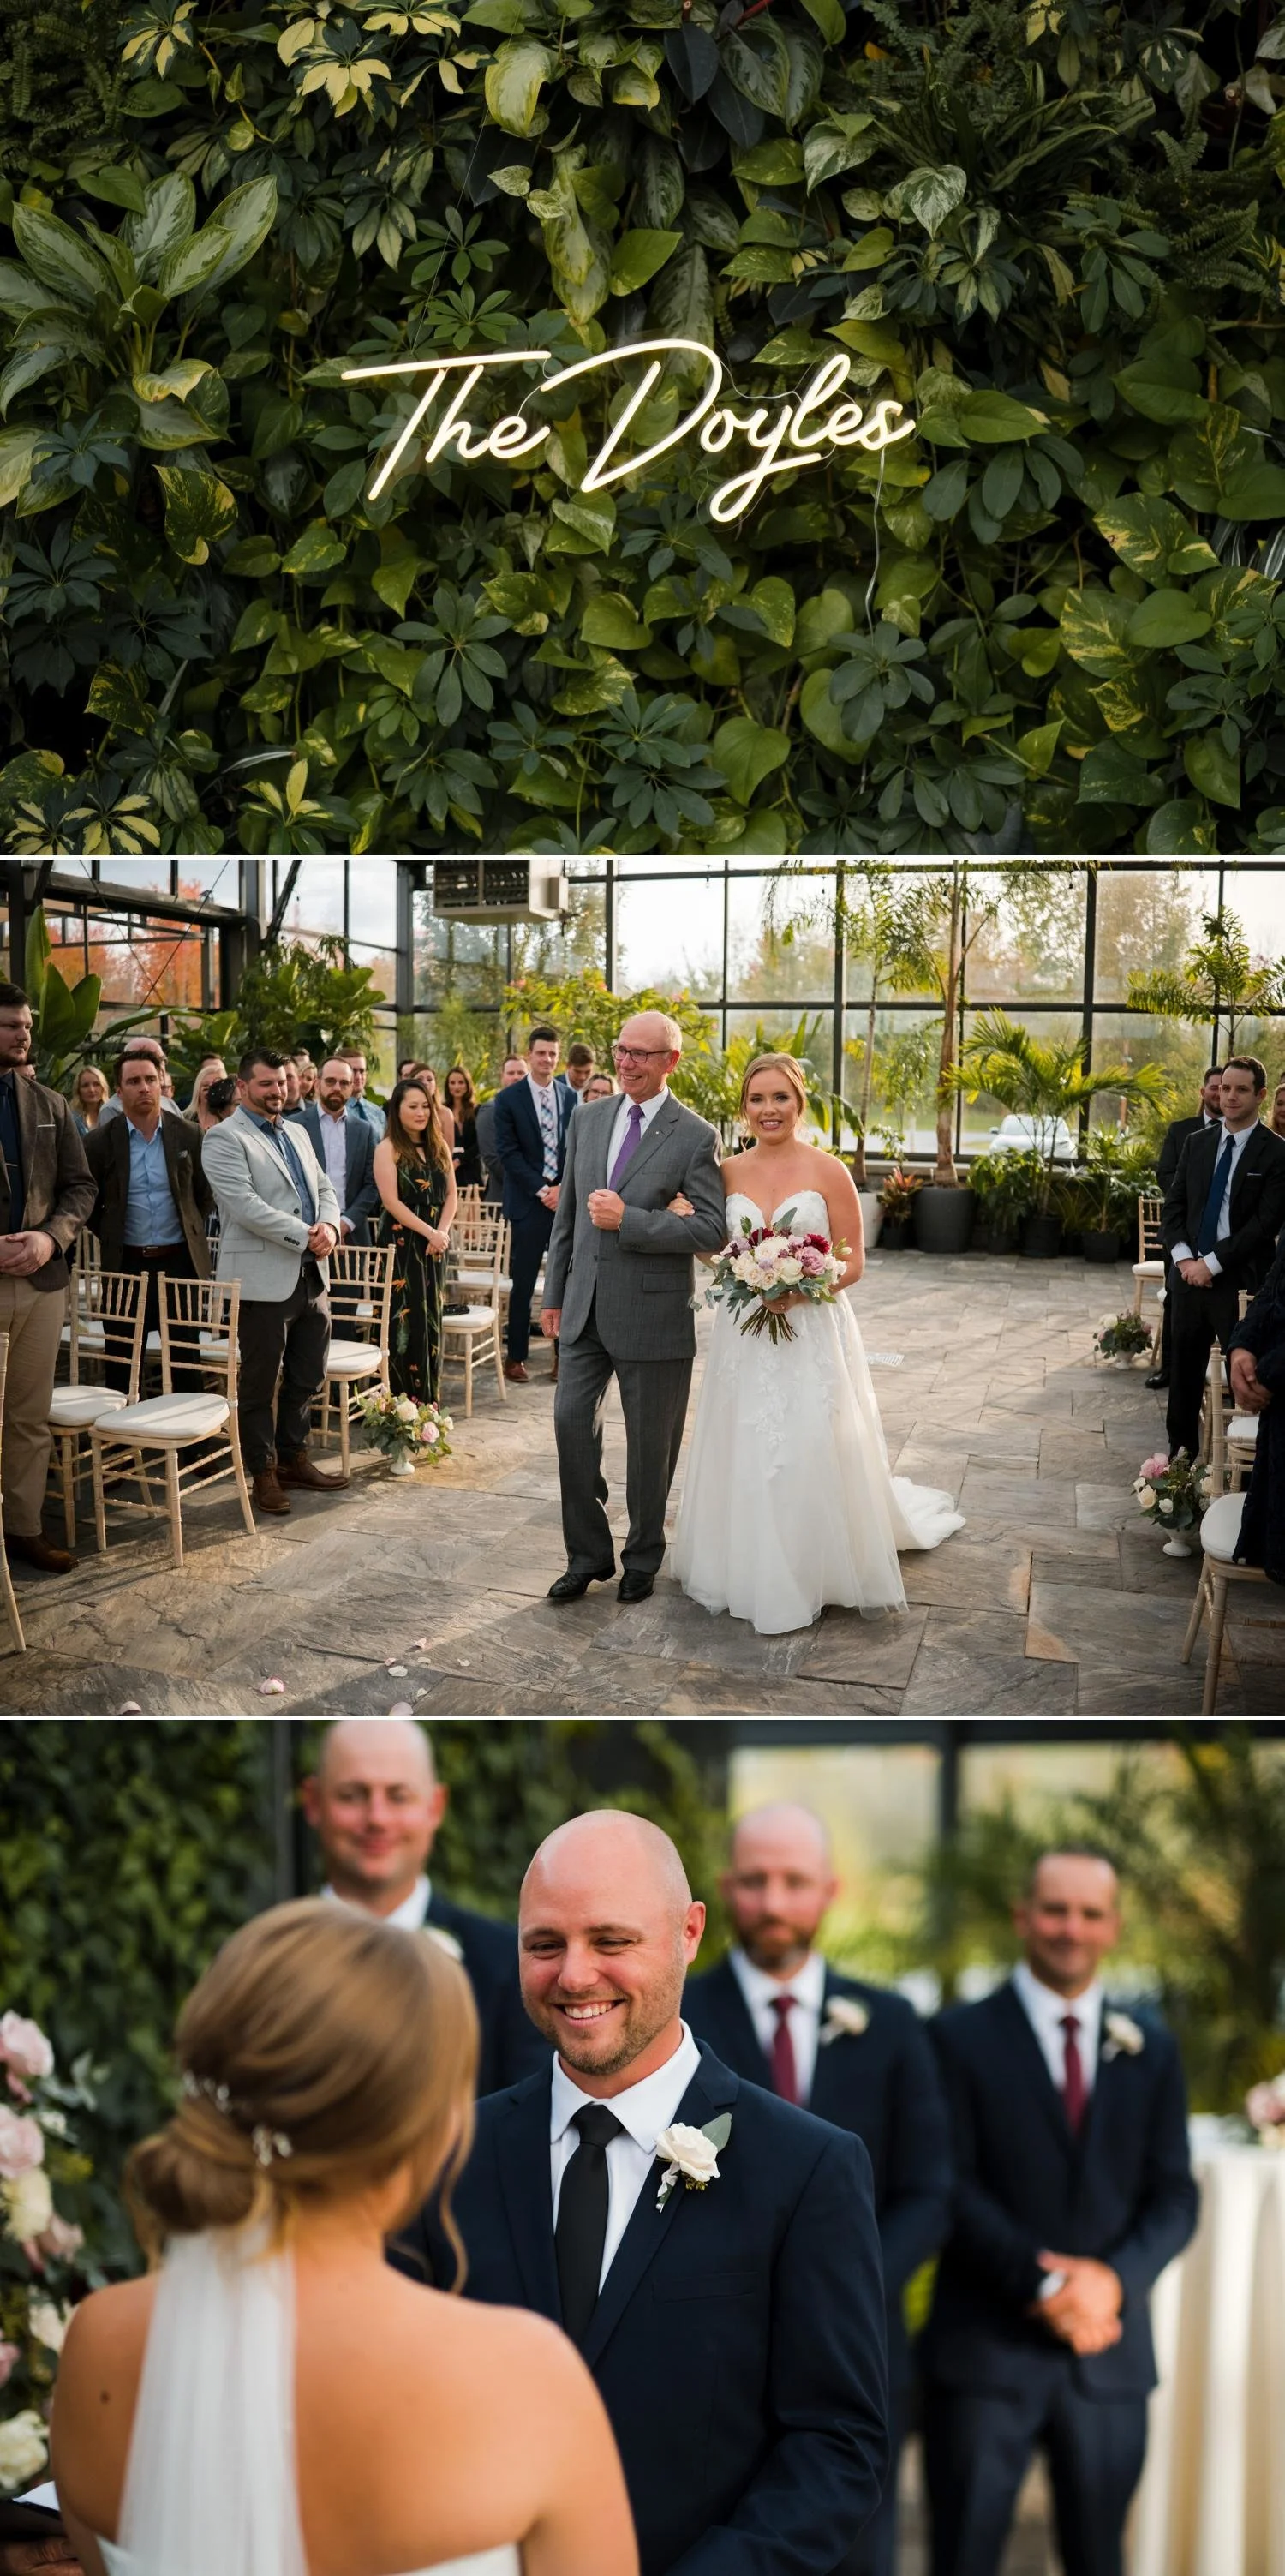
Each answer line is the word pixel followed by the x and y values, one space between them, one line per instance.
pixel 811 1214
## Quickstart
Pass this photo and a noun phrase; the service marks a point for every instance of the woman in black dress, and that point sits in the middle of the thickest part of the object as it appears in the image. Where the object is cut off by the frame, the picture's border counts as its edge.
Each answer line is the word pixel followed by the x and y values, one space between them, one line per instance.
pixel 461 1100
pixel 417 1185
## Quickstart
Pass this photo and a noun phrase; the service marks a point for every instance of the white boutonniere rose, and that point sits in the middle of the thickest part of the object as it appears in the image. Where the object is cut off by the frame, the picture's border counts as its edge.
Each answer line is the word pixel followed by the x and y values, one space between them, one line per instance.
pixel 1123 2037
pixel 445 1941
pixel 691 2154
pixel 845 2018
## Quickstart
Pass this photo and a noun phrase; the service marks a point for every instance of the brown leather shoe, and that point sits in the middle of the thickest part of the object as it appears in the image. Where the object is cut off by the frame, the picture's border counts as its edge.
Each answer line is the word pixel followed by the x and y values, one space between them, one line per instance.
pixel 267 1491
pixel 516 1372
pixel 300 1470
pixel 39 1551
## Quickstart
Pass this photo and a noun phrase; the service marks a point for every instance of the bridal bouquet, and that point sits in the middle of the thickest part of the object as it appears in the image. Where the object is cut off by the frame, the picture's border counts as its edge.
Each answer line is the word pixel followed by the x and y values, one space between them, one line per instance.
pixel 769 1262
pixel 37 2245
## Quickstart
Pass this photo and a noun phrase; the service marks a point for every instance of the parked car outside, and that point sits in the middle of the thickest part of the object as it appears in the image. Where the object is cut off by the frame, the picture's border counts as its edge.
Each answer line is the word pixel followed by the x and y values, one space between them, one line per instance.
pixel 1019 1131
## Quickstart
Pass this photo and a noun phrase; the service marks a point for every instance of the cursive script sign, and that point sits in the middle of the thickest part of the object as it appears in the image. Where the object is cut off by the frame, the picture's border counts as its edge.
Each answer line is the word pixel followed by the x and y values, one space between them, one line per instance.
pixel 787 436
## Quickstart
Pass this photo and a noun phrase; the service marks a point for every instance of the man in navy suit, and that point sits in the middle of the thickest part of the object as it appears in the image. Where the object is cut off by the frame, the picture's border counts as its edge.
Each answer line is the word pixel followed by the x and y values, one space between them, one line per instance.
pixel 850 2053
pixel 733 2323
pixel 344 1145
pixel 531 1121
pixel 376 1803
pixel 1074 2190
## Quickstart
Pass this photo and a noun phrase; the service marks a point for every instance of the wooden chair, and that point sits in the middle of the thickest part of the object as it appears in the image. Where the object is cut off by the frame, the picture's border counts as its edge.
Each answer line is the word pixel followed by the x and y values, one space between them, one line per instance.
pixel 1217 1396
pixel 115 1303
pixel 1150 1264
pixel 473 1259
pixel 361 1292
pixel 199 1323
pixel 10 1598
pixel 1219 1533
pixel 479 1326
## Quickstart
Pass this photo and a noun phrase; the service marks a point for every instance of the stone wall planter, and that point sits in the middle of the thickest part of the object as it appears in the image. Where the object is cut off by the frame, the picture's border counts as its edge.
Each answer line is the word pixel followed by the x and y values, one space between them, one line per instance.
pixel 1041 1237
pixel 944 1219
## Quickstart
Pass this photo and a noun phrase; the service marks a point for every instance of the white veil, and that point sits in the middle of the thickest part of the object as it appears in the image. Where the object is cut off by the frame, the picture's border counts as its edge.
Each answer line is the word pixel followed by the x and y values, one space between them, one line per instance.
pixel 211 2488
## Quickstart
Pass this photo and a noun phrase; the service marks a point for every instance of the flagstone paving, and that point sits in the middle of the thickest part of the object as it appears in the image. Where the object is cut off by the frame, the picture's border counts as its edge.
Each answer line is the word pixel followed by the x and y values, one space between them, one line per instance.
pixel 1055 1599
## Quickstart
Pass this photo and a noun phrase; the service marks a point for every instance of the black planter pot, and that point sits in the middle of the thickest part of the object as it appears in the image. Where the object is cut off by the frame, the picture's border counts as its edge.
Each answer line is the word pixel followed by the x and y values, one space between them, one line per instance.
pixel 994 1238
pixel 944 1219
pixel 895 1233
pixel 1100 1247
pixel 1041 1237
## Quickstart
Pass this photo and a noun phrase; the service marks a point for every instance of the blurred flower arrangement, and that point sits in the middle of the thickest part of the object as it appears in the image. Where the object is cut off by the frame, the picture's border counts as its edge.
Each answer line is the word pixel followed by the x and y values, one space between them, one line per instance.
pixel 38 2246
pixel 1265 2111
pixel 406 1430
pixel 1122 1337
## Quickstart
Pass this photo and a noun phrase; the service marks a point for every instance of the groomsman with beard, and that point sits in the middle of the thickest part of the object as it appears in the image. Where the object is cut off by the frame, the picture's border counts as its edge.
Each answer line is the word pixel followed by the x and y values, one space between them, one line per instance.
pixel 711 2251
pixel 375 1804
pixel 1074 2190
pixel 850 2053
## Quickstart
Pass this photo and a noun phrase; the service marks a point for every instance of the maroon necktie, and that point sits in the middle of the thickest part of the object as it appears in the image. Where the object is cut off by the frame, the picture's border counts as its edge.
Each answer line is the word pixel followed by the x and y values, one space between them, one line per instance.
pixel 1073 2092
pixel 785 2074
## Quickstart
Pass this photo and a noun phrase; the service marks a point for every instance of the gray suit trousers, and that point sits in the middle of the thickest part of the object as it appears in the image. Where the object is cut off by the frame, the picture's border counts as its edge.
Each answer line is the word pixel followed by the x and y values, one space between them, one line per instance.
pixel 653 1395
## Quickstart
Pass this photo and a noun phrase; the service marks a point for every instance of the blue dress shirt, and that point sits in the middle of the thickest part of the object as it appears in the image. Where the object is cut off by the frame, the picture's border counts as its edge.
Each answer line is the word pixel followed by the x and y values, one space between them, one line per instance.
pixel 280 1135
pixel 11 1148
pixel 150 1214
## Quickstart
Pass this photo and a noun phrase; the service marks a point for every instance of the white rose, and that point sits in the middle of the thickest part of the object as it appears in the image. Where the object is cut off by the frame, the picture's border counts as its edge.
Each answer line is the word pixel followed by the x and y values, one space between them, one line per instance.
pixel 1149 1501
pixel 690 2150
pixel 790 1269
pixel 1165 1503
pixel 23 2449
pixel 49 2324
pixel 29 2203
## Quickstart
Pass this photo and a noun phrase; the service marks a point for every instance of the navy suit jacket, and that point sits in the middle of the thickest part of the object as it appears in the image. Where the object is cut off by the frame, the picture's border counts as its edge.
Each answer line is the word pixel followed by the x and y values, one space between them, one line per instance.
pixel 519 1145
pixel 1123 2191
pixel 738 2340
pixel 884 2087
pixel 511 2045
pixel 361 1192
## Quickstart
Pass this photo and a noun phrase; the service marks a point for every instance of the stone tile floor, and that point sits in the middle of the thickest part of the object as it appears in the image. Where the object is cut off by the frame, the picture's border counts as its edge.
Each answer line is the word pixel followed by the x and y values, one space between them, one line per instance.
pixel 1054 1600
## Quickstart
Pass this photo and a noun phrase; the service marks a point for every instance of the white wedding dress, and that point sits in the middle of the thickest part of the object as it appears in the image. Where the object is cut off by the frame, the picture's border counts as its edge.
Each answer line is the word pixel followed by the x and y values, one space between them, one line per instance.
pixel 788 1506
pixel 210 2488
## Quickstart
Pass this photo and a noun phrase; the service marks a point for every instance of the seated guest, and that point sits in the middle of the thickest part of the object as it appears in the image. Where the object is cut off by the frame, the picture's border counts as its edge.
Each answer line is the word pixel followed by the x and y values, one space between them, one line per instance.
pixel 152 1197
pixel 513 1070
pixel 417 1185
pixel 1175 1137
pixel 579 1069
pixel 1073 2190
pixel 1223 1212
pixel 46 1193
pixel 278 1225
pixel 111 1107
pixel 461 1100
pixel 345 1145
pixel 88 1093
pixel 599 1087
pixel 1256 1371
pixel 376 1806
pixel 370 1110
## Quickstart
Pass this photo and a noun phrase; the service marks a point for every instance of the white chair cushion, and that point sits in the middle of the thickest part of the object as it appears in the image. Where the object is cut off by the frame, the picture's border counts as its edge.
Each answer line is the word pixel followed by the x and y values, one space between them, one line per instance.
pixel 171 1417
pixel 353 1359
pixel 1243 1427
pixel 472 1279
pixel 1148 1270
pixel 1220 1528
pixel 72 1407
pixel 475 1321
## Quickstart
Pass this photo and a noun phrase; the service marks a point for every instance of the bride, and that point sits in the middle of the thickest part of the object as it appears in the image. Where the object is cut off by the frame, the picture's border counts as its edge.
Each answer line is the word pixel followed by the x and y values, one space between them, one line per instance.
pixel 275 2400
pixel 788 1504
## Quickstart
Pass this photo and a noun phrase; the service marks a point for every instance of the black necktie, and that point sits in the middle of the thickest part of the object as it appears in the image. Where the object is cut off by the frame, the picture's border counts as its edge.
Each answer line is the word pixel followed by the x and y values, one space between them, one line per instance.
pixel 1207 1239
pixel 581 2231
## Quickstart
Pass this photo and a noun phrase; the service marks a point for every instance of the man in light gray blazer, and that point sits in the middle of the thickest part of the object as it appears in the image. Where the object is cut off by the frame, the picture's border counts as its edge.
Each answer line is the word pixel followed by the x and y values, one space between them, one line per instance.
pixel 279 1222
pixel 619 1279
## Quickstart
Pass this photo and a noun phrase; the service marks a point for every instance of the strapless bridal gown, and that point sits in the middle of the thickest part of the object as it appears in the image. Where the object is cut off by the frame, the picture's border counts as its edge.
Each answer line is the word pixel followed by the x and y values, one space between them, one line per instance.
pixel 788 1506
pixel 210 2487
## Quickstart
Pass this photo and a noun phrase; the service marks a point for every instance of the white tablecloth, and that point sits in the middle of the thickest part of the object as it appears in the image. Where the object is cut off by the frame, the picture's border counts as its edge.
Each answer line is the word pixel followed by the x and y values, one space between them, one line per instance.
pixel 1212 2500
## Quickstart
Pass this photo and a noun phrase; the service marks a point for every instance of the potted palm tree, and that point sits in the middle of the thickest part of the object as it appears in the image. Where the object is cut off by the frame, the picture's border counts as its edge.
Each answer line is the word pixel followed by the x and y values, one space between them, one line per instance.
pixel 1046 1084
pixel 1103 1197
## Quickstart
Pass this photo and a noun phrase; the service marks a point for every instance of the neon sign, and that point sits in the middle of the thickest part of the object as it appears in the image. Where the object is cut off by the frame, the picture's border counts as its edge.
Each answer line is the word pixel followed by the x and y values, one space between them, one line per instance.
pixel 788 437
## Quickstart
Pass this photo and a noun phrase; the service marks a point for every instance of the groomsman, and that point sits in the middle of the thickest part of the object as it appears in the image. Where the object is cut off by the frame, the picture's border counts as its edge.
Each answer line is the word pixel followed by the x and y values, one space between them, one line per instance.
pixel 1074 2191
pixel 376 1804
pixel 851 2053
pixel 711 2251
pixel 530 1141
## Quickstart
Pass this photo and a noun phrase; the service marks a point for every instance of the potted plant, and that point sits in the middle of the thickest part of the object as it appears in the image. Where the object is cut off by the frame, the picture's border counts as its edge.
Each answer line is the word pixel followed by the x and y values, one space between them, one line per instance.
pixel 1046 1083
pixel 897 1200
pixel 1174 1491
pixel 1122 1339
pixel 405 1430
pixel 1005 1188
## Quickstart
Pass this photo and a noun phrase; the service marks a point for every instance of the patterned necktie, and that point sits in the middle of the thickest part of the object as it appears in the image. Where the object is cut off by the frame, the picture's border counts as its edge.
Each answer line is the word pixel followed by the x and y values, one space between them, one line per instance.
pixel 548 1117
pixel 1208 1237
pixel 785 2073
pixel 629 1148
pixel 581 2232
pixel 1073 2090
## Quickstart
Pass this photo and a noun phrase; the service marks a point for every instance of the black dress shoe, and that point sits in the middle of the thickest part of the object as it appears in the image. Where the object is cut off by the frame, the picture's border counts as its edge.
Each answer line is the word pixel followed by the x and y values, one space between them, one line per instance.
pixel 1158 1377
pixel 573 1587
pixel 635 1587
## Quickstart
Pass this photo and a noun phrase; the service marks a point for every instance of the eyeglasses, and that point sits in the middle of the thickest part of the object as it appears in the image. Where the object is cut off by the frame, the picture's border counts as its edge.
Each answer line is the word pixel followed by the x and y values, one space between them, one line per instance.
pixel 637 1055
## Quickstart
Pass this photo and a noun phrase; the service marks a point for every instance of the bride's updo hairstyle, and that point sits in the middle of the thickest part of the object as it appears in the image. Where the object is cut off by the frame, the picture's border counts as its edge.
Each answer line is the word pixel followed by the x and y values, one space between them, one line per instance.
pixel 786 1064
pixel 321 2052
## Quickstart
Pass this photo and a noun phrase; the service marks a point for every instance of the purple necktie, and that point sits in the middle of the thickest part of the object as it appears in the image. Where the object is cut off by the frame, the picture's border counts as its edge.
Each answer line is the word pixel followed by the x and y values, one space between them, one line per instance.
pixel 629 1148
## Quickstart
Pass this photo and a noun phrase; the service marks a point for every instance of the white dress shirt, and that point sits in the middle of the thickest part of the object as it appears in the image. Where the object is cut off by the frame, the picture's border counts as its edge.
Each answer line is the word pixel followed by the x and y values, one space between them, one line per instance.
pixel 620 1128
pixel 643 2110
pixel 1046 2013
pixel 544 1101
pixel 1240 1138
pixel 334 1147
pixel 807 1988
pixel 410 1916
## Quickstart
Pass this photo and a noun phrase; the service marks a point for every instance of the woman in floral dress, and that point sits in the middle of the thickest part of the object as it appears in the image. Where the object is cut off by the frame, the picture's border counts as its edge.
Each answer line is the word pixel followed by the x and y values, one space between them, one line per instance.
pixel 416 1182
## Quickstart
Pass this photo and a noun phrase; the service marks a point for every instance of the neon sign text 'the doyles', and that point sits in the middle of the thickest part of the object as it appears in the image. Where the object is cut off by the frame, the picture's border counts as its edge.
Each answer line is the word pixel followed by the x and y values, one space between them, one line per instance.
pixel 788 436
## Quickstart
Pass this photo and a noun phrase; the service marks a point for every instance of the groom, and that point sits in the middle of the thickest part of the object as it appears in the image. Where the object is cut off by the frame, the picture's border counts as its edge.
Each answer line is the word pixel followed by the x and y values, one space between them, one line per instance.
pixel 734 2326
pixel 618 1292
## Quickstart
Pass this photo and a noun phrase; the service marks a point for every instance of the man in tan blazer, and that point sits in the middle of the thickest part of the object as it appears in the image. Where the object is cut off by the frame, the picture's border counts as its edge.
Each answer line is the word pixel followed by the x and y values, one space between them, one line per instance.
pixel 46 1193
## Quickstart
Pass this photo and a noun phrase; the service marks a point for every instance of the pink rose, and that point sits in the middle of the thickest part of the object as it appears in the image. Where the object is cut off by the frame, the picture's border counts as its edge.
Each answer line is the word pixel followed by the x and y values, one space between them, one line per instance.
pixel 60 2239
pixel 9 2359
pixel 1157 1466
pixel 22 2146
pixel 811 1262
pixel 24 2047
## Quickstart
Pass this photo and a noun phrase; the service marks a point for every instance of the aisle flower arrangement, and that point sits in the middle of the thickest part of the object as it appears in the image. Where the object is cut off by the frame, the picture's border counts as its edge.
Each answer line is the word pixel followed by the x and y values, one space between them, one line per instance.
pixel 38 2245
pixel 1122 1337
pixel 406 1430
pixel 1175 1491
pixel 1265 2111
pixel 767 1263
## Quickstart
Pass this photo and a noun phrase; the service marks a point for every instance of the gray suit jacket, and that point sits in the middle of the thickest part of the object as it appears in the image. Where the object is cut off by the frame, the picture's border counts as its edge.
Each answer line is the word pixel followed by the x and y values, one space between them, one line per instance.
pixel 637 1283
pixel 263 1234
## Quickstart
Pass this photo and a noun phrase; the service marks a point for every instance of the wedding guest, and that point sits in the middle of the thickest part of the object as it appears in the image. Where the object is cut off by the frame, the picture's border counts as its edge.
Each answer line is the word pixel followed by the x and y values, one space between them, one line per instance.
pixel 167 1084
pixel 423 1073
pixel 531 1120
pixel 294 1089
pixel 1175 1137
pixel 1073 2191
pixel 199 1110
pixel 461 1100
pixel 579 1067
pixel 278 1224
pixel 736 2332
pixel 1278 1110
pixel 853 2054
pixel 270 2395
pixel 152 1199
pixel 46 1193
pixel 408 1066
pixel 1256 1370
pixel 307 1072
pixel 414 1179
pixel 512 1070
pixel 111 1107
pixel 220 1100
pixel 1223 1212
pixel 367 1109
pixel 376 1806
pixel 599 1086
pixel 88 1093
pixel 346 1146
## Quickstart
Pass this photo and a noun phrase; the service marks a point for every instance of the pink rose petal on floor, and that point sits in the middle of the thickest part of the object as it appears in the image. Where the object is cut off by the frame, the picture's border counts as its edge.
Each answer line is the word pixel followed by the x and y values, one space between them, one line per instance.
pixel 129 1708
pixel 272 1690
